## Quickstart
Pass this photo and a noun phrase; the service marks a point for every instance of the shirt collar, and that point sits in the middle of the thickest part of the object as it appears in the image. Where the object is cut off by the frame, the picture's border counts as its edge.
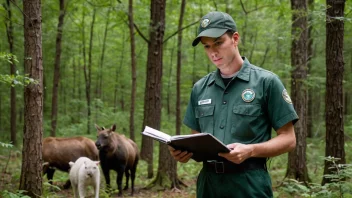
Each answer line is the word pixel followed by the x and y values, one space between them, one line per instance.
pixel 243 74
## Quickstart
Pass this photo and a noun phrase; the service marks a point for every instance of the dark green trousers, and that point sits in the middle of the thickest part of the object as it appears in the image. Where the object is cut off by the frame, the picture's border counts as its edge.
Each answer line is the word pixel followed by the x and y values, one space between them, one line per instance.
pixel 248 184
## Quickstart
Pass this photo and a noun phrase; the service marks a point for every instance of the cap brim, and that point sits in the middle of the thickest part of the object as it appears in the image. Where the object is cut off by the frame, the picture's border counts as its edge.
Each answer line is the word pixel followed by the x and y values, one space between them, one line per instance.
pixel 213 33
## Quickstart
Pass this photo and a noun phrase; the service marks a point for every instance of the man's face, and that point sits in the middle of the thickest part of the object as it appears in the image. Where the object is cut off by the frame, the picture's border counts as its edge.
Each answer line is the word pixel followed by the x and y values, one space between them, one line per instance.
pixel 221 51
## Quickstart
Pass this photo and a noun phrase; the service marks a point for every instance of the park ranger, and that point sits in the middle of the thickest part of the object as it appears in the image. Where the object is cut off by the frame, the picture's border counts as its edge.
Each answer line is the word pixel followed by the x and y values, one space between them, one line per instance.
pixel 240 104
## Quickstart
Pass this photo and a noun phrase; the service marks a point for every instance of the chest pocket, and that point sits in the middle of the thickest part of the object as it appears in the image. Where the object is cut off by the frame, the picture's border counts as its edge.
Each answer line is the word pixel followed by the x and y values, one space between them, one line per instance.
pixel 248 110
pixel 205 116
pixel 244 122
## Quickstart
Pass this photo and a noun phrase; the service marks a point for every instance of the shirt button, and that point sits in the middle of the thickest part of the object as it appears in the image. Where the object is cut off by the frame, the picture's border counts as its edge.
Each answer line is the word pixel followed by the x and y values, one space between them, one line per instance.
pixel 224 102
pixel 221 127
pixel 226 92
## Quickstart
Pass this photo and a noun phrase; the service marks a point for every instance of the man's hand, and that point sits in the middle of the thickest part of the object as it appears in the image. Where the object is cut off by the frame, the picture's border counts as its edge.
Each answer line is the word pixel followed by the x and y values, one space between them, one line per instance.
pixel 239 152
pixel 180 156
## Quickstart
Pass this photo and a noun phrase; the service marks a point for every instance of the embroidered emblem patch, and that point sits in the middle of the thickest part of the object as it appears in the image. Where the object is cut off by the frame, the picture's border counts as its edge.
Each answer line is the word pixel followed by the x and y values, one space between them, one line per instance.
pixel 205 23
pixel 248 95
pixel 286 96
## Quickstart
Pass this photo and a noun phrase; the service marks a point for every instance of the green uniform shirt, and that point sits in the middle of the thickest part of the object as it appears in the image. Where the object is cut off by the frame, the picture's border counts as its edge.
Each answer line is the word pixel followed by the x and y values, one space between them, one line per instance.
pixel 244 111
pixel 254 102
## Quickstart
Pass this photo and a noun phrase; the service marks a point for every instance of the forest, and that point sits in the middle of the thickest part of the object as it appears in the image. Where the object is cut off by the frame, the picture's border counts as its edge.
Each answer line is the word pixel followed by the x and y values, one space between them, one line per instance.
pixel 68 67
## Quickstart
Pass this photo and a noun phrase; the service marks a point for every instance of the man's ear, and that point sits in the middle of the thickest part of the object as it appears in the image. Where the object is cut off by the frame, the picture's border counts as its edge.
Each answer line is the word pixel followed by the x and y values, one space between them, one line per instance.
pixel 236 37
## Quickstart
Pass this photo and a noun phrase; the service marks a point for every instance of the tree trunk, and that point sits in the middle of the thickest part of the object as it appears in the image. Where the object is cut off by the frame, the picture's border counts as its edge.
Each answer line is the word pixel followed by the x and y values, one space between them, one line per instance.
pixel 88 73
pixel 63 91
pixel 347 93
pixel 334 88
pixel 133 68
pixel 31 172
pixel 100 90
pixel 99 77
pixel 173 168
pixel 194 76
pixel 152 100
pixel 170 80
pixel 297 167
pixel 178 70
pixel 1 125
pixel 54 104
pixel 117 77
pixel 10 39
pixel 166 176
pixel 74 83
pixel 311 91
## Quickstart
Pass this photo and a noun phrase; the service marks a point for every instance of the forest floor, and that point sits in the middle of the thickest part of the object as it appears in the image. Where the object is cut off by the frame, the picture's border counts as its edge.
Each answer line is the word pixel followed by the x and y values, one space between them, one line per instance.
pixel 139 193
pixel 68 193
pixel 10 169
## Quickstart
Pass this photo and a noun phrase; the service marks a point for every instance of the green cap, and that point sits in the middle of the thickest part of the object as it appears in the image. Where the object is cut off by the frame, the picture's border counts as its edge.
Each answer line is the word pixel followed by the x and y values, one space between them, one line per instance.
pixel 214 24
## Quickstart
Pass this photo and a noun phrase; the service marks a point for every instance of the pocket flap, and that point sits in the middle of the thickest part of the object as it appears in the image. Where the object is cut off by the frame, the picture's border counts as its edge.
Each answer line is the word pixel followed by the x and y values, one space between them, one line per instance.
pixel 203 111
pixel 250 110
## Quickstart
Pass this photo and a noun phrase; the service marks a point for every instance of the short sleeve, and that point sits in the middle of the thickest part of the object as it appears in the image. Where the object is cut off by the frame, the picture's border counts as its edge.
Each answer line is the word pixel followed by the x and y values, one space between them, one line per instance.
pixel 279 104
pixel 190 118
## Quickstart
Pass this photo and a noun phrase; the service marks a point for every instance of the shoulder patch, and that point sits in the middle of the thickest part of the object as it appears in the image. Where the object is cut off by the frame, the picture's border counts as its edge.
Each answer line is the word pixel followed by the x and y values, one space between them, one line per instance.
pixel 286 96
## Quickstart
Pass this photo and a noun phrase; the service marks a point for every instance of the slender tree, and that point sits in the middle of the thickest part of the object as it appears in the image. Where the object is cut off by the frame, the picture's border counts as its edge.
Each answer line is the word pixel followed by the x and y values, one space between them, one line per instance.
pixel 10 39
pixel 1 125
pixel 169 83
pixel 133 68
pixel 334 113
pixel 118 71
pixel 152 98
pixel 88 71
pixel 31 172
pixel 99 81
pixel 102 57
pixel 56 79
pixel 311 91
pixel 297 167
pixel 173 168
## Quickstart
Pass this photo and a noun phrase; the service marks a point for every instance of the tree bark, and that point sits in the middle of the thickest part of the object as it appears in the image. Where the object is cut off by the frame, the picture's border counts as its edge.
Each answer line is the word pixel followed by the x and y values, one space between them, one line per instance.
pixel 152 100
pixel 334 86
pixel 31 172
pixel 297 164
pixel 133 68
pixel 311 91
pixel 10 39
pixel 1 125
pixel 56 81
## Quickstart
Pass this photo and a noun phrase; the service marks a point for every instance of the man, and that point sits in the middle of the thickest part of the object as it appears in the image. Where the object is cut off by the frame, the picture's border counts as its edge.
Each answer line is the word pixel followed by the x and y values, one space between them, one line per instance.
pixel 239 104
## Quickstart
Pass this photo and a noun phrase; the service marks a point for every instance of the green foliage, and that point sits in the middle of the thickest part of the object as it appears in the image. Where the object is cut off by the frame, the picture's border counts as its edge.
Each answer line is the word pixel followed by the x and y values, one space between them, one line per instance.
pixel 16 79
pixel 8 57
pixel 339 187
pixel 6 145
pixel 16 194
